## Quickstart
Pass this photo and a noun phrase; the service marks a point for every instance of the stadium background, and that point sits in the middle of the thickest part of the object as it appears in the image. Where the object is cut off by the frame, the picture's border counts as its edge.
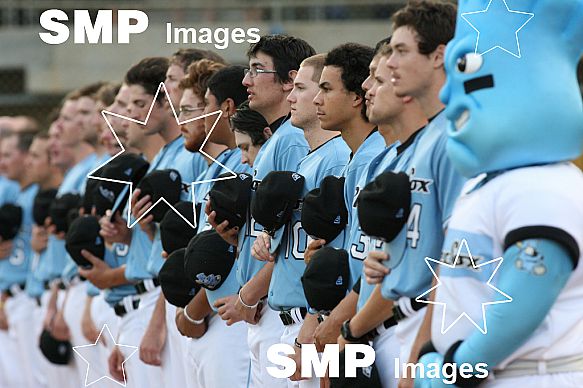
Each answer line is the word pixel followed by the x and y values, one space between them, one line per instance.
pixel 34 75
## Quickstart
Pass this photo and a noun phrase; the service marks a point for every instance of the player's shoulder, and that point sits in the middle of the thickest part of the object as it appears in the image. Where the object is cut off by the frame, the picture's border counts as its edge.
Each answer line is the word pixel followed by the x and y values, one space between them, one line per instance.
pixel 287 134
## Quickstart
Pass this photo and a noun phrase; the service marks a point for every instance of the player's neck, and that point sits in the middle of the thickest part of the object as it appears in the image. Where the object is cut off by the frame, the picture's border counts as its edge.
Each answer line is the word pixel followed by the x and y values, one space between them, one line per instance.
pixel 53 181
pixel 24 181
pixel 355 131
pixel 388 134
pixel 429 101
pixel 152 145
pixel 276 111
pixel 82 151
pixel 170 132
pixel 224 135
pixel 402 126
pixel 316 136
pixel 214 150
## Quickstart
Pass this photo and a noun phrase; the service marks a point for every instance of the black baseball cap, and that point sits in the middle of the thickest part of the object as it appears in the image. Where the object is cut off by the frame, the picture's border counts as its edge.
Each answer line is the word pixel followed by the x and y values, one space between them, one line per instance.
pixel 366 377
pixel 83 233
pixel 61 208
pixel 109 195
pixel 178 289
pixel 41 204
pixel 229 198
pixel 276 197
pixel 10 221
pixel 326 277
pixel 55 351
pixel 209 259
pixel 91 187
pixel 383 209
pixel 175 233
pixel 324 213
pixel 158 184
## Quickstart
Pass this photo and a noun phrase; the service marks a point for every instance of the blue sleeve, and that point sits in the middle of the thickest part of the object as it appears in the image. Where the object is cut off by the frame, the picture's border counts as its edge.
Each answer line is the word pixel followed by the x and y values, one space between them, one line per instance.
pixel 92 290
pixel 448 180
pixel 534 289
pixel 291 156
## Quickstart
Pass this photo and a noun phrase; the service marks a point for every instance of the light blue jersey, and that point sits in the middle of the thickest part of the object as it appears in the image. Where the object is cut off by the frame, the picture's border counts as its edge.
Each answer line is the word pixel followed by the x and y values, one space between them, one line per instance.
pixel 173 155
pixel 353 173
pixel 8 190
pixel 435 186
pixel 52 265
pixel 115 258
pixel 285 289
pixel 282 152
pixel 15 268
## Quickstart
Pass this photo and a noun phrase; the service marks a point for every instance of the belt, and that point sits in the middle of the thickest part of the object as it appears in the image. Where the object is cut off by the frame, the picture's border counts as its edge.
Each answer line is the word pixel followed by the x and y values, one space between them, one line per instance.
pixel 294 315
pixel 125 306
pixel 532 367
pixel 411 306
pixel 15 289
pixel 60 285
pixel 146 285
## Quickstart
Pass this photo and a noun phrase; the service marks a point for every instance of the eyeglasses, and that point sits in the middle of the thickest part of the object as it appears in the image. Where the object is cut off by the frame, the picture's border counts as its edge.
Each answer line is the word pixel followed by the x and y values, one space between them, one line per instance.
pixel 188 112
pixel 253 72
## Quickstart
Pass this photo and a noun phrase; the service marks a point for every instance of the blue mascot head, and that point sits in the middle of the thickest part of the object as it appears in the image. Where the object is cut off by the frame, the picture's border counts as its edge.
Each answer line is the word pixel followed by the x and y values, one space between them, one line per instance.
pixel 512 94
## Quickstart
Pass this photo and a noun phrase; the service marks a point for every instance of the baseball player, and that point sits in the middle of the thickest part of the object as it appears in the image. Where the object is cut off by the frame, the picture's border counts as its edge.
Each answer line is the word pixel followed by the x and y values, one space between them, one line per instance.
pixel 434 183
pixel 329 154
pixel 515 208
pixel 273 63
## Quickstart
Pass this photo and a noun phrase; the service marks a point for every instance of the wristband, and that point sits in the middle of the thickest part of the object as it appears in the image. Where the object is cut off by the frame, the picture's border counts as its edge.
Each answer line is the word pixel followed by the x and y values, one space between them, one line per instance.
pixel 245 304
pixel 461 381
pixel 193 321
pixel 297 344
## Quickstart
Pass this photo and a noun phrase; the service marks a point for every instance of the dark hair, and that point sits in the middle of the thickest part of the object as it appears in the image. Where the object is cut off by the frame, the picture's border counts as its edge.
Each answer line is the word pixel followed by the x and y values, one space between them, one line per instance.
pixel 250 122
pixel 148 73
pixel 353 59
pixel 106 93
pixel 227 83
pixel 185 56
pixel 434 23
pixel 286 52
pixel 24 140
pixel 380 44
pixel 85 91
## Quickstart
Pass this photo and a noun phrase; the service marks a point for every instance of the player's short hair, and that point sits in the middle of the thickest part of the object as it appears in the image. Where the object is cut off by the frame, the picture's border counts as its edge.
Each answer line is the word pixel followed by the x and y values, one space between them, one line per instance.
pixel 24 139
pixel 85 91
pixel 287 53
pixel 250 122
pixel 317 63
pixel 185 56
pixel 353 59
pixel 434 23
pixel 198 75
pixel 381 44
pixel 148 73
pixel 107 92
pixel 228 83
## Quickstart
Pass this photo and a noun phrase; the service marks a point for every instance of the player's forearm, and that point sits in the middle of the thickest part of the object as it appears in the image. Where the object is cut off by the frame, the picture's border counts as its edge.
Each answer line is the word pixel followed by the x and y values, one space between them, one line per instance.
pixel 376 310
pixel 159 315
pixel 306 334
pixel 258 286
pixel 198 307
pixel 346 309
pixel 116 277
pixel 424 333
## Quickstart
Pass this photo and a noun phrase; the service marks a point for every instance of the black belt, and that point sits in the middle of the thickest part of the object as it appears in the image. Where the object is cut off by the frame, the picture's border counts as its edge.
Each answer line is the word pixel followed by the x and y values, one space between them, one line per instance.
pixel 398 315
pixel 287 316
pixel 141 287
pixel 19 287
pixel 60 285
pixel 120 308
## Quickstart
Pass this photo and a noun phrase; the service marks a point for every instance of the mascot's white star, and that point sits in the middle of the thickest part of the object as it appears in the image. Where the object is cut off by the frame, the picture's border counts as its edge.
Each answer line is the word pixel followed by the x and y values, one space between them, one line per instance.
pixel 497 262
pixel 105 113
pixel 86 349
pixel 506 39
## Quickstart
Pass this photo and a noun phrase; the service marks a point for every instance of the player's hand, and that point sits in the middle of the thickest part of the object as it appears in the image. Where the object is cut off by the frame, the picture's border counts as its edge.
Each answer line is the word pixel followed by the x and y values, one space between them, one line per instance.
pixel 59 328
pixel 261 246
pixel 327 332
pixel 251 316
pixel 187 329
pixel 231 235
pixel 139 208
pixel 406 382
pixel 88 328
pixel 39 238
pixel 3 319
pixel 152 344
pixel 297 357
pixel 115 361
pixel 227 311
pixel 98 274
pixel 115 231
pixel 5 249
pixel 374 270
pixel 313 246
pixel 49 317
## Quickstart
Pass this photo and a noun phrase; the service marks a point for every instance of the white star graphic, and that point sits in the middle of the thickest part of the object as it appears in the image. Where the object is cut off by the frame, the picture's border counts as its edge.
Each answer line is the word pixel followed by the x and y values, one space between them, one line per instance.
pixel 483 328
pixel 193 223
pixel 491 38
pixel 87 349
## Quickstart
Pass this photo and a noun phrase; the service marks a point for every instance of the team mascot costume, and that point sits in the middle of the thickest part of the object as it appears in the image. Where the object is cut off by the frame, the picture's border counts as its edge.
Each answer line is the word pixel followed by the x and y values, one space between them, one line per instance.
pixel 507 303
